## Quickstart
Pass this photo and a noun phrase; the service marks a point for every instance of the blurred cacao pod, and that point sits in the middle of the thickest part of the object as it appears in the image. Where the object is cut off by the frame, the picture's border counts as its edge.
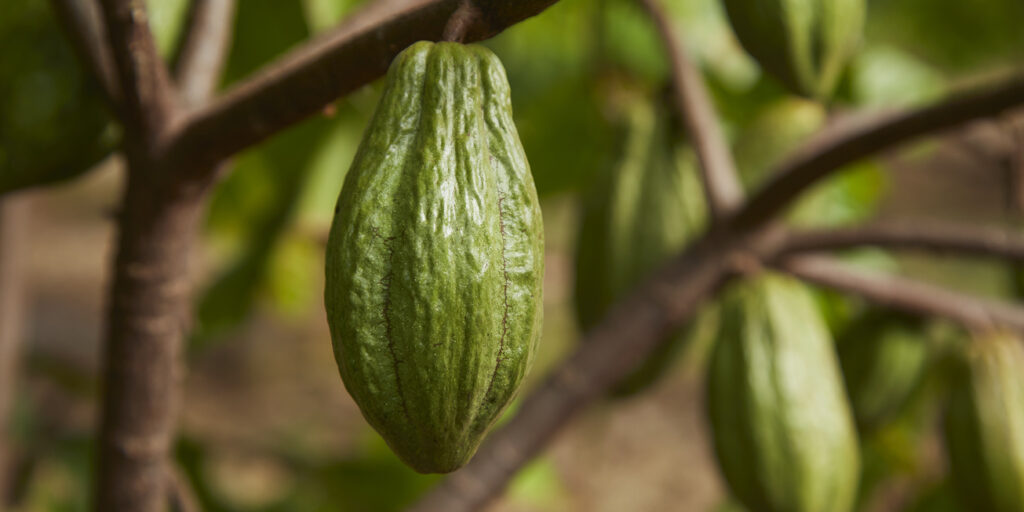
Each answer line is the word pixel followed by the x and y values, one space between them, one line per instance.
pixel 804 43
pixel 985 424
pixel 643 211
pixel 783 432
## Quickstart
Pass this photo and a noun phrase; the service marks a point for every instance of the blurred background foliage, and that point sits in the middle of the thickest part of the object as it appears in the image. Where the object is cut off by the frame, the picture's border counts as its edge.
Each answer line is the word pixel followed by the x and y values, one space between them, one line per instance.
pixel 263 236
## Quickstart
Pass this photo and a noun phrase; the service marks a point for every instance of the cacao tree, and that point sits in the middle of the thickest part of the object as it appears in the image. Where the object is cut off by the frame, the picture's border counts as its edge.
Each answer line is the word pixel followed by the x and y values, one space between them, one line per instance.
pixel 721 157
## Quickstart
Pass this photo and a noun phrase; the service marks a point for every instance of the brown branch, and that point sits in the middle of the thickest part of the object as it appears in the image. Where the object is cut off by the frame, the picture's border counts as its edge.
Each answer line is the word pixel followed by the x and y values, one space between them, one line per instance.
pixel 461 22
pixel 305 80
pixel 906 294
pixel 81 22
pixel 147 101
pixel 204 49
pixel 13 217
pixel 148 317
pixel 843 146
pixel 722 185
pixel 931 237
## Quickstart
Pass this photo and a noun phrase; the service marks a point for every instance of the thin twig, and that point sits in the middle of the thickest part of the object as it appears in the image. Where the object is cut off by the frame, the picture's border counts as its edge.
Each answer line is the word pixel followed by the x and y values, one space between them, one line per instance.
pixel 461 22
pixel 82 23
pixel 905 294
pixel 827 154
pixel 722 185
pixel 142 75
pixel 931 237
pixel 204 49
pixel 305 80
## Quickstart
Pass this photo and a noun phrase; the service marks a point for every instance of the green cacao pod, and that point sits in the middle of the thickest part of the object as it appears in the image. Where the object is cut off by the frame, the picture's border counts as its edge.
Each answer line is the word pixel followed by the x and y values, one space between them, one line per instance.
pixel 884 356
pixel 985 424
pixel 803 43
pixel 783 432
pixel 435 258
pixel 644 210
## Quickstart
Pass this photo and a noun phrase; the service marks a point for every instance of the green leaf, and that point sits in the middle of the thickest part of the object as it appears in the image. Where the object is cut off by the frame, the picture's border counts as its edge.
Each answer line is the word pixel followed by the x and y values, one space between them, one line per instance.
pixel 249 213
pixel 264 29
pixel 325 14
pixel 954 35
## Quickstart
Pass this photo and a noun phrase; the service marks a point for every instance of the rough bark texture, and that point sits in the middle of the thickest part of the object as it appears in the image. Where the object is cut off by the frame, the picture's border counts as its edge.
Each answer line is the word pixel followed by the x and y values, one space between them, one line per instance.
pixel 148 318
pixel 13 216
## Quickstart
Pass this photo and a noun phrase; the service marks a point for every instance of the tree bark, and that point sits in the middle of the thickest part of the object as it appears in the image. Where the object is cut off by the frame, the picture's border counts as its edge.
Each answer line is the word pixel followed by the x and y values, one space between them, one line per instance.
pixel 148 319
pixel 13 215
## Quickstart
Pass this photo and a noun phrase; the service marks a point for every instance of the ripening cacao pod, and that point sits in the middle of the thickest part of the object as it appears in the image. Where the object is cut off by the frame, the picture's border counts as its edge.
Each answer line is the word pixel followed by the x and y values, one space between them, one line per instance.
pixel 803 43
pixel 783 432
pixel 884 356
pixel 985 424
pixel 646 207
pixel 435 258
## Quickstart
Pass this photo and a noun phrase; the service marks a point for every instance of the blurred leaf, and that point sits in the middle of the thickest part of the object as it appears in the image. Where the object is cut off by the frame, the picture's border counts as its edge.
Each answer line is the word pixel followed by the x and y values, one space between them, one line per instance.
pixel 325 14
pixel 53 122
pixel 256 203
pixel 264 29
pixel 538 486
pixel 884 76
pixel 292 273
pixel 251 209
pixel 848 197
pixel 954 35
pixel 777 129
pixel 938 498
pixel 166 20
pixel 631 43
pixel 566 137
pixel 548 60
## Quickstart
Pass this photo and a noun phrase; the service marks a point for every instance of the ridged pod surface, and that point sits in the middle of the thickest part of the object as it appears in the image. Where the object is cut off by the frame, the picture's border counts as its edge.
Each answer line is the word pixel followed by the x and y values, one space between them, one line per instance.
pixel 985 424
pixel 783 432
pixel 643 211
pixel 435 258
pixel 804 43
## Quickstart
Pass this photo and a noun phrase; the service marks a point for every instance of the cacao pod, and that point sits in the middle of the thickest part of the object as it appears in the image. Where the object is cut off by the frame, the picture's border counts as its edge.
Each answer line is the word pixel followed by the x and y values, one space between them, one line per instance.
pixel 803 43
pixel 783 432
pixel 644 210
pixel 435 258
pixel 884 356
pixel 985 424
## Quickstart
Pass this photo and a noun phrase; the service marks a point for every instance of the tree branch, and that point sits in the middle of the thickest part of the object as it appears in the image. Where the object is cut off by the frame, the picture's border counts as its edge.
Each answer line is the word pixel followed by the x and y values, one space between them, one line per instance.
pixel 722 185
pixel 82 24
pixel 145 87
pixel 942 238
pixel 310 77
pixel 906 294
pixel 461 22
pixel 848 144
pixel 204 49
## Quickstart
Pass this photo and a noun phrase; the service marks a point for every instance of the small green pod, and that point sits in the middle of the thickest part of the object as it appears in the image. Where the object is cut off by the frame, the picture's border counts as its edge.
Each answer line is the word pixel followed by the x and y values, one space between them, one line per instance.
pixel 435 258
pixel 783 431
pixel 806 44
pixel 643 211
pixel 985 424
